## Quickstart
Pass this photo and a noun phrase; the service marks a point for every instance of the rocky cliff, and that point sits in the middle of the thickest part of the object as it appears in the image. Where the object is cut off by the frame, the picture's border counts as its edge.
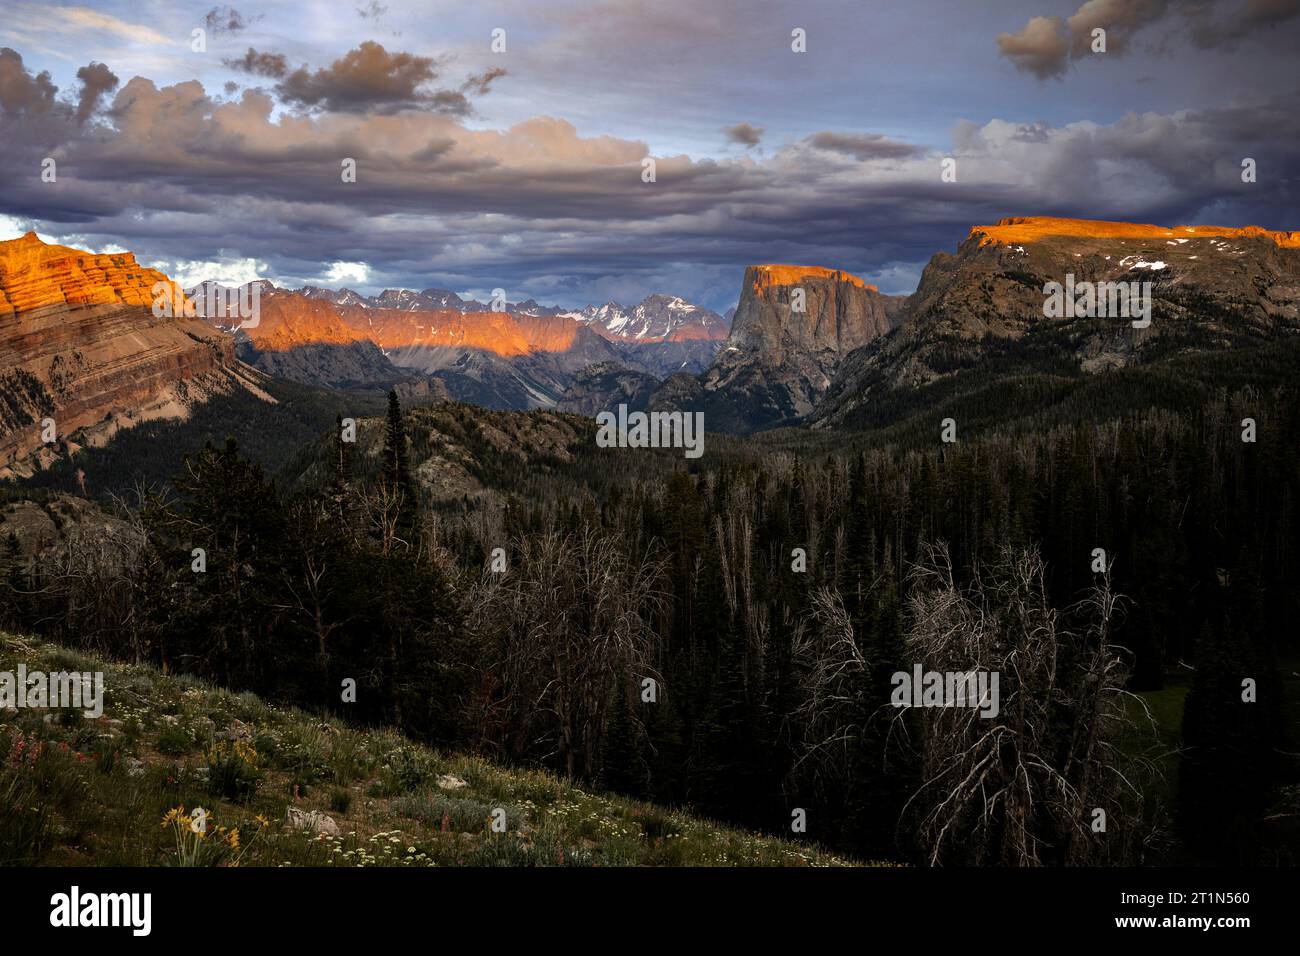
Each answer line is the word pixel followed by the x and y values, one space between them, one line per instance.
pixel 1209 287
pixel 792 328
pixel 79 344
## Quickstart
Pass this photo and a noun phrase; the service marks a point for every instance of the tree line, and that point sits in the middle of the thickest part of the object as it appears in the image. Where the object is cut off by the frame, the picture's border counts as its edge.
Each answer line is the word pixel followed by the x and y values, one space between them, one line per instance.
pixel 726 637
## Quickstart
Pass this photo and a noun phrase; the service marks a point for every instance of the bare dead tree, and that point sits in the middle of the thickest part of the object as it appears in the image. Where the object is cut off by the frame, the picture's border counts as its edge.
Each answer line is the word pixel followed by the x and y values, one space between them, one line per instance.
pixel 309 585
pixel 381 510
pixel 1023 787
pixel 573 617
pixel 87 590
pixel 831 715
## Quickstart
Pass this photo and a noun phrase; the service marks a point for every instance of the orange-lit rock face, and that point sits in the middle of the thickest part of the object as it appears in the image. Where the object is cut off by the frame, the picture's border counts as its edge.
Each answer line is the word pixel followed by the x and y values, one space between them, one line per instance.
pixel 839 313
pixel 79 343
pixel 1022 229
pixel 791 275
pixel 34 275
pixel 290 320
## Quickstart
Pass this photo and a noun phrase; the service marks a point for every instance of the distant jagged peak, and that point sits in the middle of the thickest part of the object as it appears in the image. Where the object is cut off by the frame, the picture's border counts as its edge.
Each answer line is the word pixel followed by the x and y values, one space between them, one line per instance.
pixel 1022 229
pixel 776 274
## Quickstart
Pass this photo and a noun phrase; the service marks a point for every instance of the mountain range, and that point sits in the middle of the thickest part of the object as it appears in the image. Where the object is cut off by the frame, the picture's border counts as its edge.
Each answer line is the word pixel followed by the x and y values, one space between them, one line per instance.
pixel 82 354
pixel 79 343
pixel 855 355
pixel 521 355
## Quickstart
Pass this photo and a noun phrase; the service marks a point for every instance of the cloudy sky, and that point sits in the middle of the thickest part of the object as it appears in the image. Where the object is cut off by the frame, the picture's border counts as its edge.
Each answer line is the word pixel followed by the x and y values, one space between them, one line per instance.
pixel 501 143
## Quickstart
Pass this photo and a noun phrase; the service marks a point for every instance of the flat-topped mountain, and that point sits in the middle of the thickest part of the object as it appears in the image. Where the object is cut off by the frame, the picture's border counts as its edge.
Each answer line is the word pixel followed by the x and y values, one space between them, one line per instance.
pixel 36 275
pixel 792 327
pixel 804 311
pixel 1209 288
pixel 1017 229
pixel 79 344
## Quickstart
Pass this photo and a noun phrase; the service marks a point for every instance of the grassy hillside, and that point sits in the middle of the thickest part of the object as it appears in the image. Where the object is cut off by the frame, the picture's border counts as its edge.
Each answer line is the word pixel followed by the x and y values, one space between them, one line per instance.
pixel 121 790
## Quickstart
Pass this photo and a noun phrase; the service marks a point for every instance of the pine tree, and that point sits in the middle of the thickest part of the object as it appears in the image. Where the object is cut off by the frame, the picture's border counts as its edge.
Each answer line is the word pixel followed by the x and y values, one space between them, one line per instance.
pixel 397 469
pixel 342 476
pixel 621 766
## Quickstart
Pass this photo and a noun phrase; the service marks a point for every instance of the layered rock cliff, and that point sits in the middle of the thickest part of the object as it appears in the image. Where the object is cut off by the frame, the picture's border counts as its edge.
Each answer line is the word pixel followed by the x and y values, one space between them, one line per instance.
pixel 79 344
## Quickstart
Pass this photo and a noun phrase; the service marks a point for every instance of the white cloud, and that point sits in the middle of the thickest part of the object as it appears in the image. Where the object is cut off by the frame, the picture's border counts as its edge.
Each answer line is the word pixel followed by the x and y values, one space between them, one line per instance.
pixel 11 227
pixel 227 271
pixel 356 273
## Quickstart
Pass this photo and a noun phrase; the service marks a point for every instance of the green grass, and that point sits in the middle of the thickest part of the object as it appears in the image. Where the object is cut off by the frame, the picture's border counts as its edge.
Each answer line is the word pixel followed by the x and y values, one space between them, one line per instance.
pixel 119 790
pixel 1166 707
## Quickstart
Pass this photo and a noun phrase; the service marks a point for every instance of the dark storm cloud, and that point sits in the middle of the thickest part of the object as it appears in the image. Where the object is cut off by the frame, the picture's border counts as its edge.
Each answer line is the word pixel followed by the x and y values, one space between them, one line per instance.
pixel 26 94
pixel 96 80
pixel 745 134
pixel 1212 29
pixel 273 65
pixel 21 92
pixel 863 146
pixel 540 208
pixel 480 83
pixel 226 20
pixel 366 78
pixel 1045 46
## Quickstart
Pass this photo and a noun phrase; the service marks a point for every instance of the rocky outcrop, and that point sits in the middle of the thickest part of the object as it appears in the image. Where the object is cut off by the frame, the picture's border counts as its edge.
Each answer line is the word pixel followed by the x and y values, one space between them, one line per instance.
pixel 607 385
pixel 1210 288
pixel 839 312
pixel 79 344
pixel 792 328
pixel 35 275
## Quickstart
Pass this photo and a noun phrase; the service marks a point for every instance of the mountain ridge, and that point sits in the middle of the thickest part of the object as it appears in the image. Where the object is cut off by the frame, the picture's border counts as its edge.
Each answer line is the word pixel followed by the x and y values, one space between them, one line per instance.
pixel 1210 288
pixel 792 327
pixel 82 353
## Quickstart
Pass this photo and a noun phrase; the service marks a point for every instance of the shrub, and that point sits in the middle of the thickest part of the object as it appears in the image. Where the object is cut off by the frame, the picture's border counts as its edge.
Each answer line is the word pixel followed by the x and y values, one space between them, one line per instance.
pixel 407 768
pixel 340 800
pixel 443 812
pixel 174 741
pixel 232 770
